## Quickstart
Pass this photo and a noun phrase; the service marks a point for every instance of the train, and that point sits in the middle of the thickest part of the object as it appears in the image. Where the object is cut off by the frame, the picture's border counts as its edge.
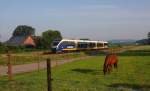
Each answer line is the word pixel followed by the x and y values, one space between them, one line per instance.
pixel 68 45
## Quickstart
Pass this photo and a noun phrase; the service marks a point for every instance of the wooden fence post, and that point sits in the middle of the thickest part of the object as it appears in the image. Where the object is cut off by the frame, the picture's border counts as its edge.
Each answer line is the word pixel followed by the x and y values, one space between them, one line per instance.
pixel 56 63
pixel 9 66
pixel 38 61
pixel 49 75
pixel 0 71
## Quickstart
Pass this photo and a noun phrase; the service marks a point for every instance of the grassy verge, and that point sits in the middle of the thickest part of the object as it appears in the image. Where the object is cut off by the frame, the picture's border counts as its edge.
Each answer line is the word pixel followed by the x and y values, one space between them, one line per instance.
pixel 144 47
pixel 135 53
pixel 86 75
pixel 27 58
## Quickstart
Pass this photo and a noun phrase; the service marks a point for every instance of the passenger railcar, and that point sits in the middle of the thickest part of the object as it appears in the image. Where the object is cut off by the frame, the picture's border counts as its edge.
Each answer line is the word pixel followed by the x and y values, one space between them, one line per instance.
pixel 77 45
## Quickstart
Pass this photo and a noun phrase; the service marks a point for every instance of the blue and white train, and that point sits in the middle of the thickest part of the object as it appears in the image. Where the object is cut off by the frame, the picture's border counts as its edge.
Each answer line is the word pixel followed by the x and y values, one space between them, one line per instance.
pixel 77 45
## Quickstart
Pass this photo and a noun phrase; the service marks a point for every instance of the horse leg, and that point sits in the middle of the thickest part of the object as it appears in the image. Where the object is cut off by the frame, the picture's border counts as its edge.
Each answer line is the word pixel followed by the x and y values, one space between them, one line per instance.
pixel 104 69
pixel 104 72
pixel 109 68
pixel 116 65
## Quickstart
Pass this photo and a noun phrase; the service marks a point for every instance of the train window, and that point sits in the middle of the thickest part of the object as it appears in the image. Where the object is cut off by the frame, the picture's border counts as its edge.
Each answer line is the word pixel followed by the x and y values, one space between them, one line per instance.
pixel 105 44
pixel 82 45
pixel 99 44
pixel 91 45
pixel 79 45
pixel 68 44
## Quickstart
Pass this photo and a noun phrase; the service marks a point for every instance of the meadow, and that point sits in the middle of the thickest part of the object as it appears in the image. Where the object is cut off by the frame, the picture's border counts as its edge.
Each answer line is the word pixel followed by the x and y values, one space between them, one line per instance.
pixel 133 74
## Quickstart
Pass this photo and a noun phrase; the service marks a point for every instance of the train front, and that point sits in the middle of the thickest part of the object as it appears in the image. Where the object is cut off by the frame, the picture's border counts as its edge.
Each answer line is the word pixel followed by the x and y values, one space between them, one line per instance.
pixel 54 45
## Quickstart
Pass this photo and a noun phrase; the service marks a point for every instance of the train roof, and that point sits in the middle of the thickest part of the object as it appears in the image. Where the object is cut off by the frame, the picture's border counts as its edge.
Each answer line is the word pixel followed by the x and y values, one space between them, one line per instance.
pixel 75 40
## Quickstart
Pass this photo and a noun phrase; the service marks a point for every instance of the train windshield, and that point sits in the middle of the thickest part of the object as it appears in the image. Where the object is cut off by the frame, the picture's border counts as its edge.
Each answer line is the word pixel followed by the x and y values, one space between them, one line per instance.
pixel 55 43
pixel 105 44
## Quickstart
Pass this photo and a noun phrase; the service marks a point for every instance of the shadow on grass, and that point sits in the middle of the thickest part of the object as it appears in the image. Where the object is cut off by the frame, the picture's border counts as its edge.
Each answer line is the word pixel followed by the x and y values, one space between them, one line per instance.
pixel 86 71
pixel 130 86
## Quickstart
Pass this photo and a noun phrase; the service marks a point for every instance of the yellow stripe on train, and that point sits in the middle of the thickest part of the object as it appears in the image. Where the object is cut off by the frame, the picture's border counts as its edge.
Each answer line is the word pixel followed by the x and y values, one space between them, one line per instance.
pixel 69 49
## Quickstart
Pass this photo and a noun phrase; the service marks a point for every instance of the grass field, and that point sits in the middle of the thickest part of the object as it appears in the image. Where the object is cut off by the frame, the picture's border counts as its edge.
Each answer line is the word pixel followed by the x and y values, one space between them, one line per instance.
pixel 34 57
pixel 146 47
pixel 86 75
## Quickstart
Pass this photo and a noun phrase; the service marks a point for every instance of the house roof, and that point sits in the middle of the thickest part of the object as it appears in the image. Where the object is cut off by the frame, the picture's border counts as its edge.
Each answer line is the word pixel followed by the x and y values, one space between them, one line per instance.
pixel 16 40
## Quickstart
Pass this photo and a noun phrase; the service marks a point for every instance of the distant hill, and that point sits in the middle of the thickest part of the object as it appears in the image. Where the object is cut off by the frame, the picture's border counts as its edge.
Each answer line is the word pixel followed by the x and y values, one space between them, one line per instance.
pixel 127 41
pixel 143 41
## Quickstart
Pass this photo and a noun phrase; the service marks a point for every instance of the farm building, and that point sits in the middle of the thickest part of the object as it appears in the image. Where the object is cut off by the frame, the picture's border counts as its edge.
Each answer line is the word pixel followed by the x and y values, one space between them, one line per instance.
pixel 27 41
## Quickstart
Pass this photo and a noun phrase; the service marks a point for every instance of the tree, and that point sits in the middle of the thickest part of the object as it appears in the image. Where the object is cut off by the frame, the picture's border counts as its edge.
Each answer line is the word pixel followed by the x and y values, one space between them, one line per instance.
pixel 148 35
pixel 24 30
pixel 50 35
pixel 39 42
pixel 0 41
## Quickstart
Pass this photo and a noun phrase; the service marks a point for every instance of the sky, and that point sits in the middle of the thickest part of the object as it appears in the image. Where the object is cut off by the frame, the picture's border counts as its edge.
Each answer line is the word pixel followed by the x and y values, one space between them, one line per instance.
pixel 94 19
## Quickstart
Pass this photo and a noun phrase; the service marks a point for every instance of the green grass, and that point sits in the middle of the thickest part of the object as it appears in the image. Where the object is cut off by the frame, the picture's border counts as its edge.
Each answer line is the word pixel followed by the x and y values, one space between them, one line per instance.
pixel 133 74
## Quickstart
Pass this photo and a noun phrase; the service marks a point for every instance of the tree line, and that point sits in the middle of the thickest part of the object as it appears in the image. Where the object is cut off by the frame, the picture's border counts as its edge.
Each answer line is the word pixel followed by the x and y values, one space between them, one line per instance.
pixel 44 41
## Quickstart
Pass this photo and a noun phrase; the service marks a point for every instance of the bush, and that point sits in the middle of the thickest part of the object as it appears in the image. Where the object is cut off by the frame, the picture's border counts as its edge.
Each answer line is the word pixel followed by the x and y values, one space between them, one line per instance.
pixel 2 48
pixel 135 53
pixel 18 49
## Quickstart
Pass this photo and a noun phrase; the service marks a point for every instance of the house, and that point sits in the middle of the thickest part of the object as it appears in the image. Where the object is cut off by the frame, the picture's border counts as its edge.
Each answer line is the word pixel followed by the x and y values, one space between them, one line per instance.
pixel 27 41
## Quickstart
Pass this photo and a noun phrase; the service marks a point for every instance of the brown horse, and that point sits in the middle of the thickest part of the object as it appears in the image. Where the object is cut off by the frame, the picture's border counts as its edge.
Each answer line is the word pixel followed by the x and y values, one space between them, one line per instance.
pixel 110 60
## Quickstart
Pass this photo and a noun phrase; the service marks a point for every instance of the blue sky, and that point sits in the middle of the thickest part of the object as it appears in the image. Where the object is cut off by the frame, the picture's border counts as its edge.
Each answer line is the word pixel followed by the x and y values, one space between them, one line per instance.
pixel 94 19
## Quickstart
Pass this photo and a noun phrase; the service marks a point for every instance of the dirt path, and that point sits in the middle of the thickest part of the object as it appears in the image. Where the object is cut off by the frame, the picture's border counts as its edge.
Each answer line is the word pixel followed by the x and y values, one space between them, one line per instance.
pixel 34 66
